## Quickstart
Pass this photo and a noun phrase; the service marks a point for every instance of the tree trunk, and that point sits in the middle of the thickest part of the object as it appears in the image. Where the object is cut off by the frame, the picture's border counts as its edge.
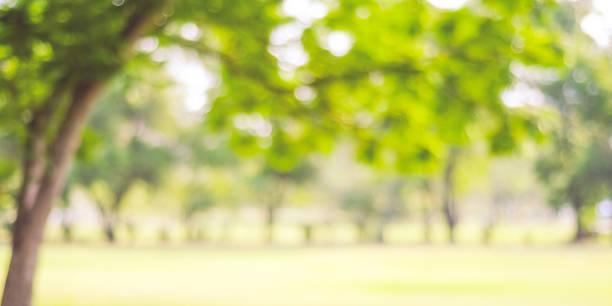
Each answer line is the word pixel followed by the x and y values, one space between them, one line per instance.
pixel 426 211
pixel 380 235
pixel 426 224
pixel 270 223
pixel 362 231
pixel 109 232
pixel 307 230
pixel 66 225
pixel 448 202
pixel 498 199
pixel 43 177
pixel 36 201
pixel 395 199
pixel 581 232
pixel 67 232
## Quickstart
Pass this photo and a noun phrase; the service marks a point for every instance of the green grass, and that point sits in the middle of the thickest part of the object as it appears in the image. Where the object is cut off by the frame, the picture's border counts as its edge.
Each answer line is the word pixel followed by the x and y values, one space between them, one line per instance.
pixel 349 275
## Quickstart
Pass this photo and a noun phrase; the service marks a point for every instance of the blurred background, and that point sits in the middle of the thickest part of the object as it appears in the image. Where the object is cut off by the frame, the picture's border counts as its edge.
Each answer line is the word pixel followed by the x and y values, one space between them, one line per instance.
pixel 320 152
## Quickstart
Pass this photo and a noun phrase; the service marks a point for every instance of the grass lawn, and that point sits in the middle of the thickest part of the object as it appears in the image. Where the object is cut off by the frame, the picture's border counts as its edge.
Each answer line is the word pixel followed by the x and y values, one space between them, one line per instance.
pixel 348 275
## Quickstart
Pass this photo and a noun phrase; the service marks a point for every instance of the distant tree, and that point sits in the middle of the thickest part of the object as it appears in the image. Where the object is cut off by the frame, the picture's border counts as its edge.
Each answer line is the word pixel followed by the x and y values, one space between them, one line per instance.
pixel 64 207
pixel 115 171
pixel 427 198
pixel 199 200
pixel 361 208
pixel 271 186
pixel 391 208
pixel 577 168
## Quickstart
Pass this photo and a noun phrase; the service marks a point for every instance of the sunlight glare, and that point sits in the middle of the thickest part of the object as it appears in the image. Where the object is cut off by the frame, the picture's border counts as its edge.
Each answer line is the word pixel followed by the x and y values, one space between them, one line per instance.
pixel 448 4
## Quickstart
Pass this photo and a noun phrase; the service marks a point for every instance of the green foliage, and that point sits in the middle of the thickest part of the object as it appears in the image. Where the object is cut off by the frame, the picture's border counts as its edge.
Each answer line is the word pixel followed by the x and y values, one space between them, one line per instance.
pixel 577 167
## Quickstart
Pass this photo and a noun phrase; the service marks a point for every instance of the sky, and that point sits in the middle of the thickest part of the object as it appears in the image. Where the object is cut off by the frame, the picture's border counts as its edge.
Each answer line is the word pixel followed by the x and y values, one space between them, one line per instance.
pixel 598 23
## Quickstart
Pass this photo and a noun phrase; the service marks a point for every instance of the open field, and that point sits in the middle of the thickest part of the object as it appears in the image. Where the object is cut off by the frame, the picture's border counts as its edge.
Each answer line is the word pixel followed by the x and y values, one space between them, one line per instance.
pixel 349 275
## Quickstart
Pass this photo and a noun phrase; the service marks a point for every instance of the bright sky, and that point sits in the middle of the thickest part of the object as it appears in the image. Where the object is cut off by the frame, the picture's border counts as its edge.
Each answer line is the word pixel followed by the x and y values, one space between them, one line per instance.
pixel 189 72
pixel 598 23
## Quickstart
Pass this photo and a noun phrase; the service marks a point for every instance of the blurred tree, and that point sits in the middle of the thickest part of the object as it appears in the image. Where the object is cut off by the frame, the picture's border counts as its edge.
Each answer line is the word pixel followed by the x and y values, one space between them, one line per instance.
pixel 115 171
pixel 577 169
pixel 361 207
pixel 271 186
pixel 391 209
pixel 199 201
pixel 64 207
pixel 449 206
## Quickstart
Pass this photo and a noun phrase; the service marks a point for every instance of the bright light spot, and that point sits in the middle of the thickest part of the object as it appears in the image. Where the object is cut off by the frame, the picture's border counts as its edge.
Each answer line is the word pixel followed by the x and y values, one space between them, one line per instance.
pixel 295 54
pixel 603 6
pixel 305 93
pixel 448 4
pixel 362 12
pixel 285 42
pixel 190 31
pixel 339 43
pixel 364 119
pixel 306 11
pixel 604 209
pixel 160 55
pixel 190 74
pixel 522 94
pixel 596 26
pixel 147 44
pixel 286 46
pixel 254 124
pixel 118 2
pixel 290 56
pixel 533 74
pixel 287 32
pixel 377 78
pixel 9 3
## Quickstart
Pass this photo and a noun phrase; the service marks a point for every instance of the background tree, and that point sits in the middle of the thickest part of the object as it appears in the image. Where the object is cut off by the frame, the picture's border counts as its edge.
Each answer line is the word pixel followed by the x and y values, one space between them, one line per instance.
pixel 115 171
pixel 199 201
pixel 392 207
pixel 578 168
pixel 272 185
pixel 361 208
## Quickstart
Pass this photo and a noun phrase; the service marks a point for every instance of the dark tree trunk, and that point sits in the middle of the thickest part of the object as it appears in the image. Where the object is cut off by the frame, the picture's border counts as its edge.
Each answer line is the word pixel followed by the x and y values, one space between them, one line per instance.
pixel 395 200
pixel 109 232
pixel 307 230
pixel 67 232
pixel 270 222
pixel 426 211
pixel 448 201
pixel 426 224
pixel 362 231
pixel 380 235
pixel 66 225
pixel 581 232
